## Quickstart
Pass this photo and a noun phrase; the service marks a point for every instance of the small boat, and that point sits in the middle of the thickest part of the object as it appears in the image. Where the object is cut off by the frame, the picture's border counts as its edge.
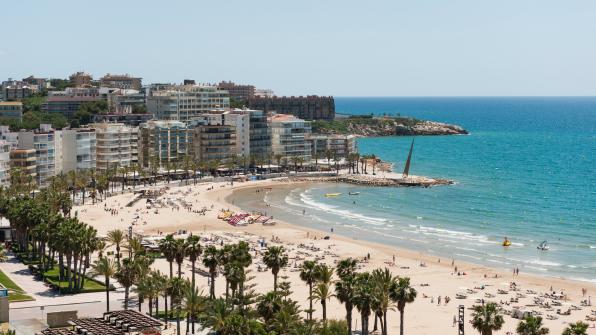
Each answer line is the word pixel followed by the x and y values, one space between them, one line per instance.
pixel 543 246
pixel 506 243
pixel 329 195
pixel 354 193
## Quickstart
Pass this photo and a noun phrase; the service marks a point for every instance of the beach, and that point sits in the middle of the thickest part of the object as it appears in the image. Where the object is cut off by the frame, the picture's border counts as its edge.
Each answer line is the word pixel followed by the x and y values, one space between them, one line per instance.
pixel 432 276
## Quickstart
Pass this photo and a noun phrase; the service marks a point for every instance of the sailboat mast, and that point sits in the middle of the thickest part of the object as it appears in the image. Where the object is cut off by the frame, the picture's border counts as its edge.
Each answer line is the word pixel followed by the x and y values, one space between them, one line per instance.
pixel 407 168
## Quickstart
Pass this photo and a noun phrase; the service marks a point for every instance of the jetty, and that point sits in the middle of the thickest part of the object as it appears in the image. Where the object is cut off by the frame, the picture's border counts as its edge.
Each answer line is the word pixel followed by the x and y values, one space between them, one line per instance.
pixel 389 180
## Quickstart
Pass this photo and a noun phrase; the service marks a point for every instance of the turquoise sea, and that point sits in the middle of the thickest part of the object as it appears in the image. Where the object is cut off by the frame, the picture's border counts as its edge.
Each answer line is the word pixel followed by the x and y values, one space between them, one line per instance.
pixel 527 171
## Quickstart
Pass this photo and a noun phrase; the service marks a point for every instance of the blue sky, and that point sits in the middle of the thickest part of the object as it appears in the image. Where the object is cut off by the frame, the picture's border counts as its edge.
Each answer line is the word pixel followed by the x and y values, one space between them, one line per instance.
pixel 327 47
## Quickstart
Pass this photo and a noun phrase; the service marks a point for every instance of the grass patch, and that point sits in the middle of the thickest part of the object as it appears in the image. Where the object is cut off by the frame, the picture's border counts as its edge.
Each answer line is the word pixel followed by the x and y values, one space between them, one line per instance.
pixel 90 285
pixel 15 293
pixel 52 276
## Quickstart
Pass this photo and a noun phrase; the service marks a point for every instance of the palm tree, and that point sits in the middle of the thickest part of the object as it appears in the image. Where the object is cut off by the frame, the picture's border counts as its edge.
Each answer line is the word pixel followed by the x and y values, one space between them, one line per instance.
pixel 193 249
pixel 531 325
pixel 364 298
pixel 178 287
pixel 116 238
pixel 180 253
pixel 309 276
pixel 344 287
pixel 487 318
pixel 193 305
pixel 107 268
pixel 578 328
pixel 384 282
pixel 275 258
pixel 167 248
pixel 211 259
pixel 322 293
pixel 402 293
pixel 127 276
pixel 268 305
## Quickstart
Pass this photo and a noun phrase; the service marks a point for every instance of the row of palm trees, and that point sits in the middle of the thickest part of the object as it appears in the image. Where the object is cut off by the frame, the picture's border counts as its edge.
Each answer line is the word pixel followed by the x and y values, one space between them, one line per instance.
pixel 488 318
pixel 47 235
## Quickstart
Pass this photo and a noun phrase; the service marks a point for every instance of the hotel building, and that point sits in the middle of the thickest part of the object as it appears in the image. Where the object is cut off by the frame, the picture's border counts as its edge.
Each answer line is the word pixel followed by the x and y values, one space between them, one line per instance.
pixel 78 149
pixel 117 145
pixel 166 141
pixel 25 159
pixel 186 102
pixel 339 145
pixel 47 144
pixel 4 163
pixel 11 110
pixel 69 101
pixel 288 137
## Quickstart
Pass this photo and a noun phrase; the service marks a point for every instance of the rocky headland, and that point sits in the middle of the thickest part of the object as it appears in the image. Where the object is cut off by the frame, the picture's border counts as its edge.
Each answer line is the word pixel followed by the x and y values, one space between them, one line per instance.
pixel 386 126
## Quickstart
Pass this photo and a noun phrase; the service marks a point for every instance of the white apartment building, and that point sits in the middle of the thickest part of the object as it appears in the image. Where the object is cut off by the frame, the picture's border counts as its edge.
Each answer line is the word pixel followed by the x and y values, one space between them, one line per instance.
pixel 288 137
pixel 4 163
pixel 47 143
pixel 185 102
pixel 117 145
pixel 11 137
pixel 338 145
pixel 78 149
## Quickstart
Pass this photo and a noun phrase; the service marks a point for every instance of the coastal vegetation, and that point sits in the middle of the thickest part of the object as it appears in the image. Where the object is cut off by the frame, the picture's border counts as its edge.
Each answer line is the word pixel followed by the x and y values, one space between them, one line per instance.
pixel 369 125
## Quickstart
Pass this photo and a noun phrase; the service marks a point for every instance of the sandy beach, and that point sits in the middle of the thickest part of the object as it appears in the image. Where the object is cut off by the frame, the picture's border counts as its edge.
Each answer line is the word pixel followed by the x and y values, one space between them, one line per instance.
pixel 433 277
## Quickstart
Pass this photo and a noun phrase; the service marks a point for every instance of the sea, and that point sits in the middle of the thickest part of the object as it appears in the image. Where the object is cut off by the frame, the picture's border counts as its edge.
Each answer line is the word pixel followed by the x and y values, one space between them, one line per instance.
pixel 526 172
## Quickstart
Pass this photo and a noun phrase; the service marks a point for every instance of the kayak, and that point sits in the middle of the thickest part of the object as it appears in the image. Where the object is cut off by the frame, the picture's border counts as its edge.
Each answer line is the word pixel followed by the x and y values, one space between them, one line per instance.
pixel 328 195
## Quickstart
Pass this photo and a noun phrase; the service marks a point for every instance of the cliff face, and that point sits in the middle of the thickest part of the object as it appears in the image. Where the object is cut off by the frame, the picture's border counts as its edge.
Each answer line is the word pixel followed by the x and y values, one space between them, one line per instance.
pixel 371 127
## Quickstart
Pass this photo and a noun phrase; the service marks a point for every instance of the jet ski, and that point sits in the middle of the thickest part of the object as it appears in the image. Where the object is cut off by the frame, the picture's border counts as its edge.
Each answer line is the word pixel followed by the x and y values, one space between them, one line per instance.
pixel 543 246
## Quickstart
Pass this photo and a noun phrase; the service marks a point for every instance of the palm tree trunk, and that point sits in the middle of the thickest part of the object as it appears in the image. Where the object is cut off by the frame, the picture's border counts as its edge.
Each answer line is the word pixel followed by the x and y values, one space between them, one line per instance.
pixel 310 300
pixel 177 320
pixel 212 287
pixel 401 322
pixel 349 318
pixel 274 282
pixel 171 301
pixel 375 327
pixel 107 293
pixel 157 307
pixel 324 306
pixel 385 323
pixel 165 301
pixel 126 289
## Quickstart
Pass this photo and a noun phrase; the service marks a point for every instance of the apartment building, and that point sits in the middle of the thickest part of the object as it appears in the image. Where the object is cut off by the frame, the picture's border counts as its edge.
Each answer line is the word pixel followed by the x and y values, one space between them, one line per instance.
pixel 339 145
pixel 259 135
pixel 47 144
pixel 12 90
pixel 78 149
pixel 164 140
pixel 69 101
pixel 26 161
pixel 184 102
pixel 288 137
pixel 237 118
pixel 121 81
pixel 4 163
pixel 11 110
pixel 117 145
pixel 11 137
pixel 213 142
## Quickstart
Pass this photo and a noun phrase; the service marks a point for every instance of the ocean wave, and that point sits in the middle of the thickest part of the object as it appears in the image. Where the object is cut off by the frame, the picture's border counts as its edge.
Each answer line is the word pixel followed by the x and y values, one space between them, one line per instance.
pixel 308 202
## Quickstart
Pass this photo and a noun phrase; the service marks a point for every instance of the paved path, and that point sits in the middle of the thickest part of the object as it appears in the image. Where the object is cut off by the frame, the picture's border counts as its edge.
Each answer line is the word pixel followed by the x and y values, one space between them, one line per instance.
pixel 43 295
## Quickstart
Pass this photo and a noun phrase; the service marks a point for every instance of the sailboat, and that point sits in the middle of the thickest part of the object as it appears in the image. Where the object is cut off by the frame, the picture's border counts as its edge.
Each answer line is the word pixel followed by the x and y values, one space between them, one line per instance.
pixel 407 167
pixel 543 246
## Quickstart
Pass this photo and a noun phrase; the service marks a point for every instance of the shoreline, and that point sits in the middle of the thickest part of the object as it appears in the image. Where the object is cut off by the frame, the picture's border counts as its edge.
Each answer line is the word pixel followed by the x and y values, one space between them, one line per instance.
pixel 432 280
pixel 414 255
